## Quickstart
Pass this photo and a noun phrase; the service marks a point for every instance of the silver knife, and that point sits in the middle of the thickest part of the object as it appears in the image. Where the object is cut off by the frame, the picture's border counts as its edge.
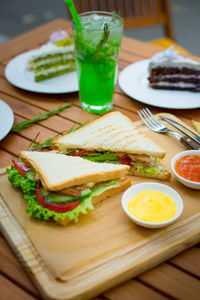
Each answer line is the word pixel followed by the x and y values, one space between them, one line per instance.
pixel 182 128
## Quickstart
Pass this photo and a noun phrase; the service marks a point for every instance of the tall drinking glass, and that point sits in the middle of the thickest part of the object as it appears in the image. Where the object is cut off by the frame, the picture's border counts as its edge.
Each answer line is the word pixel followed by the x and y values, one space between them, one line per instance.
pixel 97 44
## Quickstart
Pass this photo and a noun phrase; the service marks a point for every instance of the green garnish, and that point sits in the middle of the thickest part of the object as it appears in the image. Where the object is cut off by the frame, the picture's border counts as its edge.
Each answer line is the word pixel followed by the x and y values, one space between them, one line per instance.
pixel 46 144
pixel 40 117
pixel 49 142
pixel 105 36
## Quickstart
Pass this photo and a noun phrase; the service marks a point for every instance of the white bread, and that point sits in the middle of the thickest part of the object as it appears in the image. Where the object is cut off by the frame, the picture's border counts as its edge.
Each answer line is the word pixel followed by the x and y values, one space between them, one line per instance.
pixel 114 132
pixel 163 175
pixel 59 171
pixel 111 192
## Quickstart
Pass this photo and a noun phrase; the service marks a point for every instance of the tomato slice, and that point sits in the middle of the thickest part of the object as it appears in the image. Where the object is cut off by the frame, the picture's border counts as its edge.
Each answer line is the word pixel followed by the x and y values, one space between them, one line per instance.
pixel 81 152
pixel 20 167
pixel 59 208
pixel 125 160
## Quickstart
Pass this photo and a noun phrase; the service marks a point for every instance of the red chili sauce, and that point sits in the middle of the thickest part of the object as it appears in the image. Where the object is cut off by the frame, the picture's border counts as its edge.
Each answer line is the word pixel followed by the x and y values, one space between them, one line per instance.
pixel 188 167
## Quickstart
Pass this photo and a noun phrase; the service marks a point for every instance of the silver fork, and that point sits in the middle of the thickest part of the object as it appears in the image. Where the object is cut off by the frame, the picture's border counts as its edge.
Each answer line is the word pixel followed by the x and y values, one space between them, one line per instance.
pixel 154 124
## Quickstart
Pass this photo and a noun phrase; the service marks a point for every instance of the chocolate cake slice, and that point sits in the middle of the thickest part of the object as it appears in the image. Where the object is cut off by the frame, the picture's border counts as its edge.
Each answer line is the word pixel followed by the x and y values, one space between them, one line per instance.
pixel 172 71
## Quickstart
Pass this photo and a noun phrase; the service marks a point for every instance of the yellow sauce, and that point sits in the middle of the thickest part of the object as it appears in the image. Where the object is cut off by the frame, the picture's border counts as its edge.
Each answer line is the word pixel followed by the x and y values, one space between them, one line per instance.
pixel 152 206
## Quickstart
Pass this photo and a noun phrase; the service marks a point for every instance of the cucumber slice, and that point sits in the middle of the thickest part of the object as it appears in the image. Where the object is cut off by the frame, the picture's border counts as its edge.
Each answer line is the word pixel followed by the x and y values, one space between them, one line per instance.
pixel 57 198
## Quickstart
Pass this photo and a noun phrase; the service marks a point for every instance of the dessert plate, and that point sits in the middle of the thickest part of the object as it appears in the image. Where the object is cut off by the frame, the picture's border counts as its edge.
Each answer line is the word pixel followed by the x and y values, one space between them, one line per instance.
pixel 6 119
pixel 133 81
pixel 17 74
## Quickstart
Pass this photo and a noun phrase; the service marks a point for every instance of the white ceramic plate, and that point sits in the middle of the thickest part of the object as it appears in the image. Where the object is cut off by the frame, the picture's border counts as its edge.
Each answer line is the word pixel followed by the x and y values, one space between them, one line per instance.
pixel 133 81
pixel 18 75
pixel 6 119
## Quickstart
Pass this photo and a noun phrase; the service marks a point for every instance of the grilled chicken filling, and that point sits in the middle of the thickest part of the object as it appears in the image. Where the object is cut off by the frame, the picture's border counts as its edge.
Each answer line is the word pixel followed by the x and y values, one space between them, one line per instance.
pixel 77 191
pixel 137 162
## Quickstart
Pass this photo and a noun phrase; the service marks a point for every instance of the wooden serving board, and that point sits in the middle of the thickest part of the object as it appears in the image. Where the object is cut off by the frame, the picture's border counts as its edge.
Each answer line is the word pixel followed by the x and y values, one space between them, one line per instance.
pixel 104 248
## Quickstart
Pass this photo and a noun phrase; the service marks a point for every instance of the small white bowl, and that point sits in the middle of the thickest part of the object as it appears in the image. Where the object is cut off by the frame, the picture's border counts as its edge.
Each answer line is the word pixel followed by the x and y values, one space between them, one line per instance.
pixel 188 183
pixel 152 186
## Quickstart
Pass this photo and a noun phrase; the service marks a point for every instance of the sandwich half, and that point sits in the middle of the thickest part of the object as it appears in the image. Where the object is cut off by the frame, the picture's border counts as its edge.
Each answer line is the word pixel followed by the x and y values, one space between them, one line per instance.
pixel 114 138
pixel 60 188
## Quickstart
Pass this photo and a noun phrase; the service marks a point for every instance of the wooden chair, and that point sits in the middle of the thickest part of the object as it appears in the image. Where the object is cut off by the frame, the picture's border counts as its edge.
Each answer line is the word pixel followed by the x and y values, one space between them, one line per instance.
pixel 136 13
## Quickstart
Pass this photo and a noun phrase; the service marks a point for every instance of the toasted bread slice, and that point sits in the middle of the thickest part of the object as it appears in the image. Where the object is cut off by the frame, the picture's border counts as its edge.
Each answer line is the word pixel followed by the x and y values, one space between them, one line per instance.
pixel 59 171
pixel 112 132
pixel 95 200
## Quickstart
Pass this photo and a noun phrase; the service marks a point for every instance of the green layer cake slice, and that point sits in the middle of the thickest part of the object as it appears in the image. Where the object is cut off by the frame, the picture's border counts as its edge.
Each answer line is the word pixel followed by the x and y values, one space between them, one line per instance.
pixel 54 58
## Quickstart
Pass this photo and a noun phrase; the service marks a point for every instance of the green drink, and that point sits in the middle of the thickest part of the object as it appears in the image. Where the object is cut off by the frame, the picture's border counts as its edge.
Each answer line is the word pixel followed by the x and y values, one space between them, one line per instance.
pixel 97 46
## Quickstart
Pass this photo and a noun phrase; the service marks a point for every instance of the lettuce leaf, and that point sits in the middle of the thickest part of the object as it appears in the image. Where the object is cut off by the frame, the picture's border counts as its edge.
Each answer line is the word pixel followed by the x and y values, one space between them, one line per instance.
pixel 86 204
pixel 17 180
pixel 102 157
pixel 158 159
pixel 150 170
pixel 37 211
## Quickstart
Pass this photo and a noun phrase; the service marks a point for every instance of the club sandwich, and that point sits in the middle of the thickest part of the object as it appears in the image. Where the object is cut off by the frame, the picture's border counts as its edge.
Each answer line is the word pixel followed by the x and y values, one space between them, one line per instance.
pixel 114 138
pixel 60 188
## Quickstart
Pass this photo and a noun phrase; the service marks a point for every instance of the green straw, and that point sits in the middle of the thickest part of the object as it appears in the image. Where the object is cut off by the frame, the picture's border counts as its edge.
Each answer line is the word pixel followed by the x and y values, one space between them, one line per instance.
pixel 73 12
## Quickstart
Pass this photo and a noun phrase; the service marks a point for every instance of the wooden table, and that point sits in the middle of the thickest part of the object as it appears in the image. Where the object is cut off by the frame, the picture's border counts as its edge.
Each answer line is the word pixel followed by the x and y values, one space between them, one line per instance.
pixel 177 278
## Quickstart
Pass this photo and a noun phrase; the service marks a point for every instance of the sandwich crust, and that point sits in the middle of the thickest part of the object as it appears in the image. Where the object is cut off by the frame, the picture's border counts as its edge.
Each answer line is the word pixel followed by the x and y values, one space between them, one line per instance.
pixel 95 200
